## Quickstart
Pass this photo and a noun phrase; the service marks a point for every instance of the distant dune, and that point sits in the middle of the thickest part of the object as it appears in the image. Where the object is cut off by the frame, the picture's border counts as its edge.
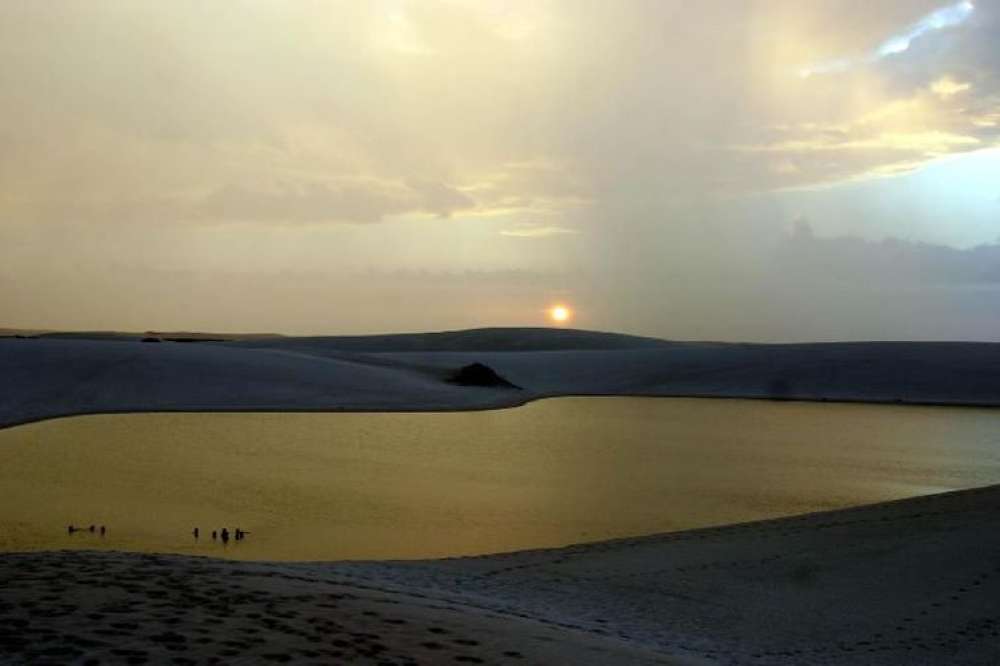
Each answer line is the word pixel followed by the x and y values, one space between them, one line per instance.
pixel 127 335
pixel 478 340
pixel 59 375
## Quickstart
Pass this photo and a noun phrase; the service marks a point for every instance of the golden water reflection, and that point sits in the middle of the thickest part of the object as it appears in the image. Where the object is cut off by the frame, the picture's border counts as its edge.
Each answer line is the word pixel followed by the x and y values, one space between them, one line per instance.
pixel 342 486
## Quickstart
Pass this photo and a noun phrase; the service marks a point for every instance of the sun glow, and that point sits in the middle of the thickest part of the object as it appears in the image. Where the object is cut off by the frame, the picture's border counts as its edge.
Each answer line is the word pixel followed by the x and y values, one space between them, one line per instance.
pixel 560 314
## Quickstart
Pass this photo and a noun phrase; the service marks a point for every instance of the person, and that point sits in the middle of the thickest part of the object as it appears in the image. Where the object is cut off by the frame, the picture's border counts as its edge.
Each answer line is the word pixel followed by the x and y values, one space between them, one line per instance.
pixel 70 529
pixel 239 534
pixel 195 533
pixel 103 530
pixel 215 535
pixel 225 535
pixel 91 528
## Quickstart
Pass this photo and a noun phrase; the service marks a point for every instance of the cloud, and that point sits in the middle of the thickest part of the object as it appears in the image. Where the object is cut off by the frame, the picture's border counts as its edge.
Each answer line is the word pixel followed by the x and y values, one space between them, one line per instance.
pixel 440 199
pixel 944 117
pixel 891 261
pixel 540 110
pixel 940 19
pixel 946 17
pixel 529 231
pixel 672 137
pixel 925 143
pixel 946 87
pixel 312 202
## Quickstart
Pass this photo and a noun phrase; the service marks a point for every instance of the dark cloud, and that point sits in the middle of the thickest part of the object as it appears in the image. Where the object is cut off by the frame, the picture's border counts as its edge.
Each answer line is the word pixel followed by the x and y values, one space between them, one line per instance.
pixel 322 202
pixel 967 51
pixel 888 262
pixel 440 199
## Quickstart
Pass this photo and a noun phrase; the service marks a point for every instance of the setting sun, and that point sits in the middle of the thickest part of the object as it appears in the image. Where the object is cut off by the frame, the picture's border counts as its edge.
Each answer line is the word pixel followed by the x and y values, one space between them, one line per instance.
pixel 560 314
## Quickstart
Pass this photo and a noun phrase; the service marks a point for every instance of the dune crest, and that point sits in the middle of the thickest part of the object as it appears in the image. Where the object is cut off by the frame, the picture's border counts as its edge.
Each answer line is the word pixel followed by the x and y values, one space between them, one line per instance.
pixel 61 376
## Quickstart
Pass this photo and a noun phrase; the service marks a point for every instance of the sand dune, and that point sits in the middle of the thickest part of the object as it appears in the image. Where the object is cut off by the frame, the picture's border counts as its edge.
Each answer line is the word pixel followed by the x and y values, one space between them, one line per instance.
pixel 46 378
pixel 915 582
pixel 49 377
pixel 478 340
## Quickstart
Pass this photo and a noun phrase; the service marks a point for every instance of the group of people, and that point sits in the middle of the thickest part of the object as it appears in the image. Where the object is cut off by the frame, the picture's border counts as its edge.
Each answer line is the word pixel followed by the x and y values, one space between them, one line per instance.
pixel 223 534
pixel 71 529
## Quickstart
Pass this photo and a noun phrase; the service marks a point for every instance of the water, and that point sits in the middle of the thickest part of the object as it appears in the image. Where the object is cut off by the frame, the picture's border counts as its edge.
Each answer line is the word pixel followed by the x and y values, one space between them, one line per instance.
pixel 568 470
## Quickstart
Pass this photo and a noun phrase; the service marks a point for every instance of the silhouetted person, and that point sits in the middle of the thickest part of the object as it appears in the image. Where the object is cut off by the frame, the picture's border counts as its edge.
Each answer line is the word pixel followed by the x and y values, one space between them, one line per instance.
pixel 215 535
pixel 70 529
pixel 103 530
pixel 225 535
pixel 195 533
pixel 239 534
pixel 91 528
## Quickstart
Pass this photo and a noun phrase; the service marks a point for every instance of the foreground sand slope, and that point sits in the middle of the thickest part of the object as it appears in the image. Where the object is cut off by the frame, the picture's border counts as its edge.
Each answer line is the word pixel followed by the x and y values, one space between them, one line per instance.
pixel 60 376
pixel 914 582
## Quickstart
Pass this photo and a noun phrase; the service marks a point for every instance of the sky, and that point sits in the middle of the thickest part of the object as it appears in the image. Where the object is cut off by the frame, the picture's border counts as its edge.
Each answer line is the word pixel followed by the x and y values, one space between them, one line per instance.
pixel 760 170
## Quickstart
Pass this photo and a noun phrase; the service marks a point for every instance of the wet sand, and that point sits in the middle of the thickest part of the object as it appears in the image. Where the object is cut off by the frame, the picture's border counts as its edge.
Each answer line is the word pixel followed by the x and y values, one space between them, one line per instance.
pixel 915 582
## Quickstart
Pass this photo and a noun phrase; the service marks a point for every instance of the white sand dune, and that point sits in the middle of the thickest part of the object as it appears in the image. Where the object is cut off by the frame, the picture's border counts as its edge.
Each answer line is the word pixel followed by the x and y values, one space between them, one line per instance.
pixel 909 582
pixel 46 378
pixel 64 375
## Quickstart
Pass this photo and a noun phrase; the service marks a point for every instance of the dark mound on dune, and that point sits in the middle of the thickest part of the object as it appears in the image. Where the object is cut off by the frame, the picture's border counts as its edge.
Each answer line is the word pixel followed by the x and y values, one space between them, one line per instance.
pixel 477 374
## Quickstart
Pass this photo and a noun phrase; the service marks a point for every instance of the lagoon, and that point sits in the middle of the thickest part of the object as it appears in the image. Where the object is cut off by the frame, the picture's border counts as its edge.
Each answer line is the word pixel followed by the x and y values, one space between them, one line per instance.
pixel 326 486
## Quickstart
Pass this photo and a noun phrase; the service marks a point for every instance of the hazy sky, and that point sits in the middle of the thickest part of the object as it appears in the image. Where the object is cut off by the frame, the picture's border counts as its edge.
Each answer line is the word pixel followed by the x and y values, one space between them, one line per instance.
pixel 724 169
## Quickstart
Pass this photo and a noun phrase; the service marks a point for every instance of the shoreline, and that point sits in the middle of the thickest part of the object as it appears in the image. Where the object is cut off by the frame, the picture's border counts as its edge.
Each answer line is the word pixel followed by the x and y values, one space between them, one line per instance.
pixel 912 581
pixel 510 405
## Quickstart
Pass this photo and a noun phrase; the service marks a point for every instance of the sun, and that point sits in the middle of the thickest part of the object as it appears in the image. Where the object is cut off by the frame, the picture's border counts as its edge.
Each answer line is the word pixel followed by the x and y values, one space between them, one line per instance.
pixel 560 314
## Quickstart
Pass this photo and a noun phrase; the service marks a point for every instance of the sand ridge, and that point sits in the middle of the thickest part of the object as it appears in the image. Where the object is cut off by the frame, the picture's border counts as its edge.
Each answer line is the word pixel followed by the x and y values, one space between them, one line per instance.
pixel 912 581
pixel 60 376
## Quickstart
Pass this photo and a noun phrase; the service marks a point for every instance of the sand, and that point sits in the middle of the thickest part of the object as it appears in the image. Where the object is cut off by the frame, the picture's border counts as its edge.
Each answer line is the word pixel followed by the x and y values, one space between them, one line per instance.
pixel 60 376
pixel 915 581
